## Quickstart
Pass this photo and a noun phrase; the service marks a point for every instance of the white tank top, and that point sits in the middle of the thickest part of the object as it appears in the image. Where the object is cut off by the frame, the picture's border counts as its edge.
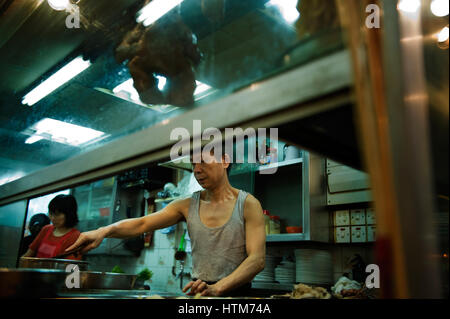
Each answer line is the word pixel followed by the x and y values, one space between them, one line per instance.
pixel 218 251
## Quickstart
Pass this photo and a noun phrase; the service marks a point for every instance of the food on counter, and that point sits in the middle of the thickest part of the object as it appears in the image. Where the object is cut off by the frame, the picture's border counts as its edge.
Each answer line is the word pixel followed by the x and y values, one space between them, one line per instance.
pixel 302 291
pixel 117 270
pixel 345 283
pixel 167 48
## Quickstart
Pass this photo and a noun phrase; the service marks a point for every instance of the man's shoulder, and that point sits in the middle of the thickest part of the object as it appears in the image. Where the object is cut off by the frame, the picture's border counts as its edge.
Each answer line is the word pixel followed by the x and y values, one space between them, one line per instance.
pixel 251 204
pixel 251 200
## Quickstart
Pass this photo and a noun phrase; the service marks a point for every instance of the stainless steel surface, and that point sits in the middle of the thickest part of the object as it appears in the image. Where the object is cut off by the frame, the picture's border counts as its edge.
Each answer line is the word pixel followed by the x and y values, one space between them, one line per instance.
pixel 106 280
pixel 321 77
pixel 34 283
pixel 51 263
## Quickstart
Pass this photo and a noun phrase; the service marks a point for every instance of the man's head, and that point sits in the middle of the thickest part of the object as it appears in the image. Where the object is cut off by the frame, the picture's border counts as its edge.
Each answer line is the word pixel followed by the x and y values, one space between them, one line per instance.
pixel 212 168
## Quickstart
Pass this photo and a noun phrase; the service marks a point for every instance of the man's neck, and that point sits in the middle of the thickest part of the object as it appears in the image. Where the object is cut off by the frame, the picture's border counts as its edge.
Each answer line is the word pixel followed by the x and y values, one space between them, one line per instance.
pixel 220 193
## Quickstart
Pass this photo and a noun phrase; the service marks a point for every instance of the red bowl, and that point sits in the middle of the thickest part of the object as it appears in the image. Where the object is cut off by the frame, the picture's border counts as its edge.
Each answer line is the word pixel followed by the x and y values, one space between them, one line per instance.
pixel 294 229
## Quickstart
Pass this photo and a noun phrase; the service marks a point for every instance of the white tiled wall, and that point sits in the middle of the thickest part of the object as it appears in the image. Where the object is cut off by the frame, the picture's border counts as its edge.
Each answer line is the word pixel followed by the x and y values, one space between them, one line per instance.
pixel 159 258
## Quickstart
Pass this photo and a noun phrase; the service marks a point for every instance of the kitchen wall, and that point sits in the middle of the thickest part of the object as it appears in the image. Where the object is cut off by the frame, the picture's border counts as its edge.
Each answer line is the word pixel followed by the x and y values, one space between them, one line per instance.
pixel 159 258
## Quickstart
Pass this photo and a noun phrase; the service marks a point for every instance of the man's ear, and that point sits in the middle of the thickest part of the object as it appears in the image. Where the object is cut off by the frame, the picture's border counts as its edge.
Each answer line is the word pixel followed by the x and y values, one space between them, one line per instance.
pixel 226 160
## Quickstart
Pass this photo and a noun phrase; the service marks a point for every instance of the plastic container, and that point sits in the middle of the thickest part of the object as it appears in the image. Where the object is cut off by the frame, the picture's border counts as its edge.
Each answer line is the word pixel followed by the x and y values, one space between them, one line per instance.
pixel 267 221
pixel 275 225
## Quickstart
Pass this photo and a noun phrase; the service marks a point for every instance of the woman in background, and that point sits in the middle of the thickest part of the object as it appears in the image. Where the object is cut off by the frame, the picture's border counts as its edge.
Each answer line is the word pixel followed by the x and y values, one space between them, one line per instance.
pixel 54 239
pixel 37 222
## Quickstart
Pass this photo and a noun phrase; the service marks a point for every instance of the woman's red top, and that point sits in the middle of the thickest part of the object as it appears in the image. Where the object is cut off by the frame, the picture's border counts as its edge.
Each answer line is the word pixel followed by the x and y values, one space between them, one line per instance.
pixel 46 245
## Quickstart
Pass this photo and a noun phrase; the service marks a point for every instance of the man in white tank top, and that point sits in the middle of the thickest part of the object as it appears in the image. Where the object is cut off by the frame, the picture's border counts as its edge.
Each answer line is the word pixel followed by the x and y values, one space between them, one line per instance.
pixel 226 227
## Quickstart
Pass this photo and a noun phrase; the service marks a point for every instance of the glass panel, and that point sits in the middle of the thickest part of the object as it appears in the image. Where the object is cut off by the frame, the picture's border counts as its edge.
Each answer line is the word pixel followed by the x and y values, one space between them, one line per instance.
pixel 85 60
pixel 436 61
pixel 11 230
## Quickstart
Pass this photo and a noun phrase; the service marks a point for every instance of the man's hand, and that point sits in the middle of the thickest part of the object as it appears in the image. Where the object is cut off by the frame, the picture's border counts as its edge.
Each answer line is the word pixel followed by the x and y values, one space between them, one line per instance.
pixel 203 288
pixel 91 239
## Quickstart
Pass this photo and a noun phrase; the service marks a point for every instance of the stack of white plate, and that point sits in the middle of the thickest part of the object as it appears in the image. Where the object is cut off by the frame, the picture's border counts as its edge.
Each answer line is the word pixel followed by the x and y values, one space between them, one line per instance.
pixel 313 266
pixel 285 272
pixel 268 274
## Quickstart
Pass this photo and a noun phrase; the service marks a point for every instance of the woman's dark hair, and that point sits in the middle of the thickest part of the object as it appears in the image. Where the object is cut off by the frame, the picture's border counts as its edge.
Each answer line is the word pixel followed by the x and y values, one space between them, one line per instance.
pixel 67 205
pixel 37 222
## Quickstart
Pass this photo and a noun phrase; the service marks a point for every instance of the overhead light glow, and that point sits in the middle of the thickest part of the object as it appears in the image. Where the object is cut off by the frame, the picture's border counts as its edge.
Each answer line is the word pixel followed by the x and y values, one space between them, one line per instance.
pixel 408 6
pixel 439 8
pixel 33 139
pixel 9 178
pixel 127 88
pixel 58 5
pixel 443 35
pixel 287 8
pixel 62 132
pixel 63 75
pixel 155 10
pixel 201 87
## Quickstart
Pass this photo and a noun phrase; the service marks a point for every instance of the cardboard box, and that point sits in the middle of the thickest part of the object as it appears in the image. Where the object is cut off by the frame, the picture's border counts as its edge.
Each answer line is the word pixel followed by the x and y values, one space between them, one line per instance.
pixel 359 234
pixel 357 217
pixel 370 216
pixel 341 218
pixel 342 234
pixel 371 233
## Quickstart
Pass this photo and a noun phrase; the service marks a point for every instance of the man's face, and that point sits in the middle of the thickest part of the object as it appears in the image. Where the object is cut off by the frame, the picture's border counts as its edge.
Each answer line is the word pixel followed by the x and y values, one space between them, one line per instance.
pixel 210 171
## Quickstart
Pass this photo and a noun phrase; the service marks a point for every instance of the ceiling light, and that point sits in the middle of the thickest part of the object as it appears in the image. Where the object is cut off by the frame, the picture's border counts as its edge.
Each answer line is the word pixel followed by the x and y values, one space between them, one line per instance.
pixel 62 76
pixel 409 6
pixel 33 139
pixel 155 10
pixel 58 5
pixel 439 8
pixel 287 8
pixel 201 87
pixel 127 87
pixel 443 35
pixel 61 132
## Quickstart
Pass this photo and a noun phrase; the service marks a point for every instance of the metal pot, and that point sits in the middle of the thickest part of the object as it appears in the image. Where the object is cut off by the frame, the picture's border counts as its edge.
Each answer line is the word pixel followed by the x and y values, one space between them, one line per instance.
pixel 106 280
pixel 51 263
pixel 30 283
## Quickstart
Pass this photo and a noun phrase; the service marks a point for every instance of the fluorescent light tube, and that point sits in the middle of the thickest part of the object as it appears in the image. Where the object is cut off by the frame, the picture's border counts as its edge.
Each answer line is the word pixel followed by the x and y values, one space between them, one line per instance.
pixel 128 88
pixel 62 132
pixel 155 10
pixel 33 139
pixel 62 76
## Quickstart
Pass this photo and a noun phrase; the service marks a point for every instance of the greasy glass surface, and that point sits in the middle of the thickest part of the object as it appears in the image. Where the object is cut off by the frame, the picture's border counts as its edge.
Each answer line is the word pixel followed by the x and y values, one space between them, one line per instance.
pixel 198 52
pixel 11 229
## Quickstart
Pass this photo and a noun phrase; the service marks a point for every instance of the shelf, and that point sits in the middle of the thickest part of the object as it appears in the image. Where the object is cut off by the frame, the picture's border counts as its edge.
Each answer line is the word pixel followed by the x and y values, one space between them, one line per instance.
pixel 183 163
pixel 285 237
pixel 281 164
